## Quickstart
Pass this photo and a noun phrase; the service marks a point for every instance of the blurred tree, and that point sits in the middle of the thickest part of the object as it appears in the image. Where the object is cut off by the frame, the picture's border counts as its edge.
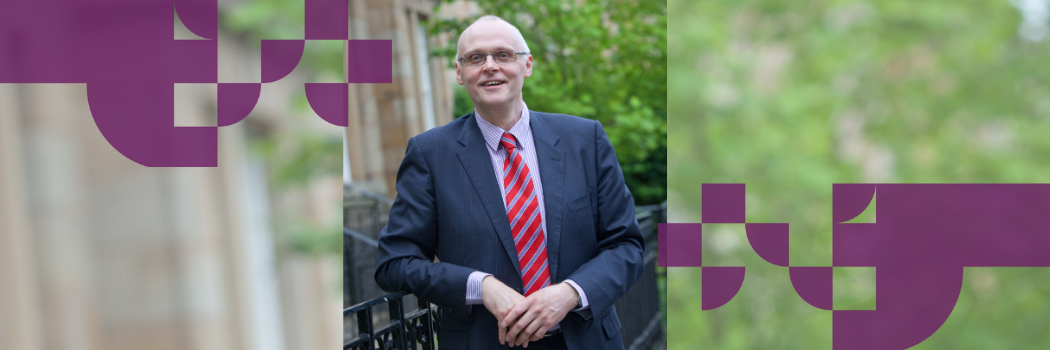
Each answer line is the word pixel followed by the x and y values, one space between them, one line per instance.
pixel 791 97
pixel 296 156
pixel 603 60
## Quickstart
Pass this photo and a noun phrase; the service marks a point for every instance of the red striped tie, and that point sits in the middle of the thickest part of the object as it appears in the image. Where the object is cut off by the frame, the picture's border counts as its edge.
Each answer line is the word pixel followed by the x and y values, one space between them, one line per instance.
pixel 523 211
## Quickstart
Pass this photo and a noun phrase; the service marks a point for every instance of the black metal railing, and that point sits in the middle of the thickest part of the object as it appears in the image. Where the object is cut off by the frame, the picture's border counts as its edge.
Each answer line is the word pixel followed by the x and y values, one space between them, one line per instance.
pixel 364 214
pixel 411 330
pixel 639 309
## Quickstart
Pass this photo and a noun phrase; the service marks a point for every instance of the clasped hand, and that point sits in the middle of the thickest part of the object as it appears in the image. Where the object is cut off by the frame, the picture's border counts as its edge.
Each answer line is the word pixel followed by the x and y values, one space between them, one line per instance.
pixel 524 319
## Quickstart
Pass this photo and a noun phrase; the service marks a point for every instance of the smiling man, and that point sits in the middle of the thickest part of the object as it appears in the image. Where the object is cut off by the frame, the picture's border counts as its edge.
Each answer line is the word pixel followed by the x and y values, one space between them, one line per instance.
pixel 526 212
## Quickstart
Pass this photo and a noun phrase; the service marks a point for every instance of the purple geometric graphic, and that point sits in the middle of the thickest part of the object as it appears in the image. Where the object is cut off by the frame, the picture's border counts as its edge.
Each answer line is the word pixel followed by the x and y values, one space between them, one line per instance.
pixel 685 252
pixel 149 140
pixel 195 61
pixel 370 61
pixel 327 19
pixel 330 101
pixel 279 58
pixel 662 247
pixel 850 201
pixel 770 241
pixel 950 225
pixel 813 284
pixel 923 237
pixel 722 203
pixel 201 17
pixel 719 284
pixel 124 51
pixel 236 101
pixel 913 302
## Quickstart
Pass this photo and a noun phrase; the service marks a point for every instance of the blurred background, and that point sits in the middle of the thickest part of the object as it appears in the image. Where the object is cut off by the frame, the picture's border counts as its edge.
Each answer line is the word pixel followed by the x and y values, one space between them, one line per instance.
pixel 597 59
pixel 789 97
pixel 98 252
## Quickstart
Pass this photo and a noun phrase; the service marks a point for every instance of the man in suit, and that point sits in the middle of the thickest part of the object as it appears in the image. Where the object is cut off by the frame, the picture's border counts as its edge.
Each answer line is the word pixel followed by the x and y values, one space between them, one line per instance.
pixel 526 212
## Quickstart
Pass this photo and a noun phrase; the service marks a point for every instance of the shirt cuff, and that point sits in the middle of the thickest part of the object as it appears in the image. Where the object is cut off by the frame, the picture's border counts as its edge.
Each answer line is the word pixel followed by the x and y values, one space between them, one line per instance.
pixel 584 305
pixel 474 287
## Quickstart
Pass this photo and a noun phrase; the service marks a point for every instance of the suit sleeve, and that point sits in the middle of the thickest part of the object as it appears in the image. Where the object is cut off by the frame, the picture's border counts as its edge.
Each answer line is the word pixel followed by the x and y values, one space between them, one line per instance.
pixel 408 242
pixel 621 259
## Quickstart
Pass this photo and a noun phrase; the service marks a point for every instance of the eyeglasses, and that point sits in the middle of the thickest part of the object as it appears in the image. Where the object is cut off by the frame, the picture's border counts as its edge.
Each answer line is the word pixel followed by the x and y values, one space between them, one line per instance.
pixel 479 58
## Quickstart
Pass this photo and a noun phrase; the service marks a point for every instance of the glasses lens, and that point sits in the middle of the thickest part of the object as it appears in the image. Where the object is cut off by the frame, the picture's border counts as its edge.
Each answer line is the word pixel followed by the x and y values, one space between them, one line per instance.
pixel 504 56
pixel 478 58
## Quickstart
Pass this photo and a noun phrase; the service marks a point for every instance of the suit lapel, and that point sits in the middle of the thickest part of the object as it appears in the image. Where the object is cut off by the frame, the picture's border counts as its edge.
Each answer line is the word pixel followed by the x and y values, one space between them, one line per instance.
pixel 474 157
pixel 551 160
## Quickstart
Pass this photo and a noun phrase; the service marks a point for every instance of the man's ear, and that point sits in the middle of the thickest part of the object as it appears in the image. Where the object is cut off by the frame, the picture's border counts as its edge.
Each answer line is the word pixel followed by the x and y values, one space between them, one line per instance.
pixel 528 67
pixel 459 76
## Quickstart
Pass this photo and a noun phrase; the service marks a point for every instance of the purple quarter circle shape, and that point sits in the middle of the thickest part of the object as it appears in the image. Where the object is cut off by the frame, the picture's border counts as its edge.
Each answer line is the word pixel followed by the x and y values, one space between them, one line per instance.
pixel 813 284
pixel 770 241
pixel 913 303
pixel 236 101
pixel 850 200
pixel 719 284
pixel 150 139
pixel 199 16
pixel 330 101
pixel 279 58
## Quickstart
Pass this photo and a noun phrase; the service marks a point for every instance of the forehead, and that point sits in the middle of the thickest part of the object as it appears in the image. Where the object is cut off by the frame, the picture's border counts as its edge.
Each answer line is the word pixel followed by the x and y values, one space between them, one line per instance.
pixel 489 36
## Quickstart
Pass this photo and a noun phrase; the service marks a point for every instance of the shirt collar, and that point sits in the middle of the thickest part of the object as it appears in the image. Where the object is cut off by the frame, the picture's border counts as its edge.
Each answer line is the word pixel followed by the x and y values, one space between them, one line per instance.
pixel 493 133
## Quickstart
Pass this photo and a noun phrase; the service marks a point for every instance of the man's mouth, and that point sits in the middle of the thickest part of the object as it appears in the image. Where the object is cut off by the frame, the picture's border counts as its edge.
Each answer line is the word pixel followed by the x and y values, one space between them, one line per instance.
pixel 492 83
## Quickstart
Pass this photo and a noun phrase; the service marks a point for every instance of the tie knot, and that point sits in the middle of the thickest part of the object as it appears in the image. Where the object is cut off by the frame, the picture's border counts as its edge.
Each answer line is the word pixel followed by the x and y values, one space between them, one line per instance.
pixel 508 141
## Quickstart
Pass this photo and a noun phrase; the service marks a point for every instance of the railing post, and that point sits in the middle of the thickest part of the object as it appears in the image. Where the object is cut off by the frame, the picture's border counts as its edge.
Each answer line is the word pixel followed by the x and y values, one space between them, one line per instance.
pixel 397 314
pixel 365 327
pixel 428 324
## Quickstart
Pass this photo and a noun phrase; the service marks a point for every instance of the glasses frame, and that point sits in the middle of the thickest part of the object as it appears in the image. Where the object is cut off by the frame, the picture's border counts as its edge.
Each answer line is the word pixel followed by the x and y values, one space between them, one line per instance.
pixel 463 59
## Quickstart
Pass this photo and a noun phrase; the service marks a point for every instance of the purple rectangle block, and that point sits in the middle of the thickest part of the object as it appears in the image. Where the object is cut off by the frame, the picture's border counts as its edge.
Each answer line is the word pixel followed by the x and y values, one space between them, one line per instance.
pixel 684 245
pixel 722 203
pixel 326 19
pixel 370 61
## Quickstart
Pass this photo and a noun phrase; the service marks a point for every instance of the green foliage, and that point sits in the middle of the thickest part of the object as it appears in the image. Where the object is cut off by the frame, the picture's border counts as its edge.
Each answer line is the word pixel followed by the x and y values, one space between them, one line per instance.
pixel 266 19
pixel 603 60
pixel 312 157
pixel 461 103
pixel 294 161
pixel 791 97
pixel 308 238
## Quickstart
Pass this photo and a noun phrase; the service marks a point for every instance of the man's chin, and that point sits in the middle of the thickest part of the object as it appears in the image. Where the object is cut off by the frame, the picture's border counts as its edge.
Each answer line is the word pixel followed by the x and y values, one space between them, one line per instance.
pixel 492 102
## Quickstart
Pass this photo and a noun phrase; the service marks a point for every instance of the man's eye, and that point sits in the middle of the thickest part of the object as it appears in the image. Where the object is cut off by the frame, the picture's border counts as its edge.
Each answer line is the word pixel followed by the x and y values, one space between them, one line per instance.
pixel 474 58
pixel 504 55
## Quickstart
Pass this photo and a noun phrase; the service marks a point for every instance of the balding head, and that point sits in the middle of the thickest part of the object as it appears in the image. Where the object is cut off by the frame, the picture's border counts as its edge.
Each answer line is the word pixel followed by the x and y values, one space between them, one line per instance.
pixel 494 84
pixel 486 24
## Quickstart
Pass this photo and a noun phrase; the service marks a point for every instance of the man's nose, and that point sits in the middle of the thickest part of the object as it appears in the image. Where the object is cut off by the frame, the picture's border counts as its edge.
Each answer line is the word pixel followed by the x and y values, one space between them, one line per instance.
pixel 490 63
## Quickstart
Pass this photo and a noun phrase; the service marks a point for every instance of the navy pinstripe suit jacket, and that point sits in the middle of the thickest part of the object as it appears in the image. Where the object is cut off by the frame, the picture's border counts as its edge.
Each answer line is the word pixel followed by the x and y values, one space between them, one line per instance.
pixel 449 206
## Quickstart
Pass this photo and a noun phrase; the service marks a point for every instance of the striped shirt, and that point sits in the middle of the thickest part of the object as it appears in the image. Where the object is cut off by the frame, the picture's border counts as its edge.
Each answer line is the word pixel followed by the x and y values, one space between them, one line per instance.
pixel 527 148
